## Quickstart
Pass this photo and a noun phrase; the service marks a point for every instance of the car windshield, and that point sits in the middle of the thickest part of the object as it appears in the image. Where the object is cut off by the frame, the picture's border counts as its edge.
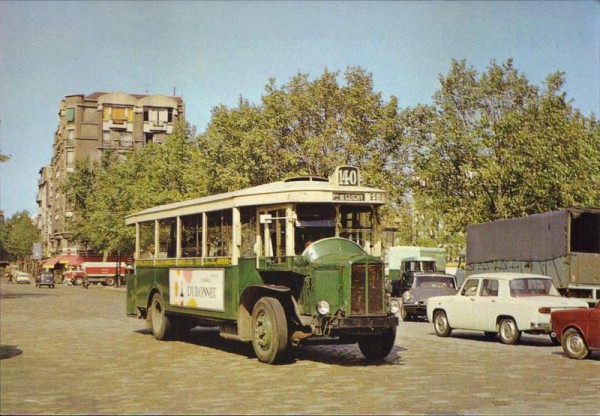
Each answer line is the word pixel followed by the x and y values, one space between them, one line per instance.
pixel 434 281
pixel 532 287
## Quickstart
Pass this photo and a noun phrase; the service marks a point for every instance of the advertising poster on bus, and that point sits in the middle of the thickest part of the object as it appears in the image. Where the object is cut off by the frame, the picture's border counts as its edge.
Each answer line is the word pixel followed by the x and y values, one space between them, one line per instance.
pixel 197 288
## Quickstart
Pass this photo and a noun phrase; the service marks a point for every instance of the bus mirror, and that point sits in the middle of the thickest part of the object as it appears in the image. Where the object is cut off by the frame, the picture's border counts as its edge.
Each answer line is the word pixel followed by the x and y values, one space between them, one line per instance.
pixel 266 218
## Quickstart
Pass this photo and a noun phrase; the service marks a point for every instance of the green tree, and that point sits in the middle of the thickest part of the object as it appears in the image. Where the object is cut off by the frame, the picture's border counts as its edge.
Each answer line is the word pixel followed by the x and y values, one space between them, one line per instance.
pixel 494 146
pixel 306 128
pixel 105 193
pixel 18 234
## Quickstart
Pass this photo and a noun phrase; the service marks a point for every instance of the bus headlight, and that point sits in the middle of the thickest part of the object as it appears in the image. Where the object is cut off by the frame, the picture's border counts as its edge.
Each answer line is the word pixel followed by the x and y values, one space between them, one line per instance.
pixel 394 306
pixel 322 307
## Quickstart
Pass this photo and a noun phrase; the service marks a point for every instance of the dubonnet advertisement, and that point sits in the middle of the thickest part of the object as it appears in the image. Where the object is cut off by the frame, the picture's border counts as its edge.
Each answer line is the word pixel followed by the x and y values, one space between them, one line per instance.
pixel 197 288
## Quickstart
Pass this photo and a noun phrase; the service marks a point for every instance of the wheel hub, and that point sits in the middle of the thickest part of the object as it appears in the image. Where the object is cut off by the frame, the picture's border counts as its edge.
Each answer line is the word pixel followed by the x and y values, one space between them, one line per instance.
pixel 263 332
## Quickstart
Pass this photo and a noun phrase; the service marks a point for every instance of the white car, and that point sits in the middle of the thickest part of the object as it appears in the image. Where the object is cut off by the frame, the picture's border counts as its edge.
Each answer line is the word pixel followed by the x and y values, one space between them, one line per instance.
pixel 504 304
pixel 22 277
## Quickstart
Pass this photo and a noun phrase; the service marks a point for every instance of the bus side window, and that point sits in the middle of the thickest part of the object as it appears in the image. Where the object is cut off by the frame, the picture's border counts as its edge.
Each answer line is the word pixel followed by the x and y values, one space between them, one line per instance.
pixel 219 233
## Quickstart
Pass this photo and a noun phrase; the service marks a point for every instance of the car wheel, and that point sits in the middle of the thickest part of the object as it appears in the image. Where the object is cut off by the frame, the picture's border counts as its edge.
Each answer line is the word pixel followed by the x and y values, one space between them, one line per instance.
pixel 377 347
pixel 110 281
pixel 573 345
pixel 441 325
pixel 404 314
pixel 269 330
pixel 78 281
pixel 159 322
pixel 554 340
pixel 509 333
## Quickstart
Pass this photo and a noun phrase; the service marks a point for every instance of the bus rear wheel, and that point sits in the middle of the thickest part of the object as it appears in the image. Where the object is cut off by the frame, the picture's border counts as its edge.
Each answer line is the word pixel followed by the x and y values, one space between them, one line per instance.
pixel 269 330
pixel 377 347
pixel 159 322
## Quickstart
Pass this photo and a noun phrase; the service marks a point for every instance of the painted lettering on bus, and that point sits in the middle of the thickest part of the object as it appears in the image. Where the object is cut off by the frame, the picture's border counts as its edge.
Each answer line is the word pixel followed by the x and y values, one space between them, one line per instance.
pixel 348 197
pixel 202 291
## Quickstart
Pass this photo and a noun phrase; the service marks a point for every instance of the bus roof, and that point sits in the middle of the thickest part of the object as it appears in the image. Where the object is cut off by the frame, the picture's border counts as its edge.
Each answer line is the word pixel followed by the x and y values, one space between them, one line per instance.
pixel 296 190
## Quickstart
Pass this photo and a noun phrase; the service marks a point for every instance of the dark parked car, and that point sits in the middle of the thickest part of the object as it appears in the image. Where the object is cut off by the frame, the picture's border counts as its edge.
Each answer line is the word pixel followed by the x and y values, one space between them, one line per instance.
pixel 421 287
pixel 45 279
pixel 578 331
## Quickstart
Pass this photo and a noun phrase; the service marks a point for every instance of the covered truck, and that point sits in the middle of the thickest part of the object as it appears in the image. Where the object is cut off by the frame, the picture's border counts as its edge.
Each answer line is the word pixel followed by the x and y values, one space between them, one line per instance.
pixel 564 245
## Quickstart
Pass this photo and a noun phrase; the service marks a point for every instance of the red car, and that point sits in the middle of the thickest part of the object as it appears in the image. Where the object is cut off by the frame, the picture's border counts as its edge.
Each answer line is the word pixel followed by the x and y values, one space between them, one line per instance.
pixel 578 330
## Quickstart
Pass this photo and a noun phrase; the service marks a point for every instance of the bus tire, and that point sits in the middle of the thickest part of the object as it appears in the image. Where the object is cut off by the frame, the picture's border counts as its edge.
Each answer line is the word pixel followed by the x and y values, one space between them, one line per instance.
pixel 269 330
pixel 159 322
pixel 377 347
pixel 109 281
pixel 78 281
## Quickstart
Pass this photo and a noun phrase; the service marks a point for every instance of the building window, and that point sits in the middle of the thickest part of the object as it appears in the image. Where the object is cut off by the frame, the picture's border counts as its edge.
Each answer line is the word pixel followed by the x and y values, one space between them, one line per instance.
pixel 148 138
pixel 126 140
pixel 106 138
pixel 70 136
pixel 118 115
pixel 158 115
pixel 70 115
pixel 70 158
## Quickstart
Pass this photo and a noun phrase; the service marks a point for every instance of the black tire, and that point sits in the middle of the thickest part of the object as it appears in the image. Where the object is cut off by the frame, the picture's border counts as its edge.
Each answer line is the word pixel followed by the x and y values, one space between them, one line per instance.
pixel 573 345
pixel 508 331
pixel 269 330
pixel 405 315
pixel 110 281
pixel 52 286
pixel 377 347
pixel 159 321
pixel 554 340
pixel 441 325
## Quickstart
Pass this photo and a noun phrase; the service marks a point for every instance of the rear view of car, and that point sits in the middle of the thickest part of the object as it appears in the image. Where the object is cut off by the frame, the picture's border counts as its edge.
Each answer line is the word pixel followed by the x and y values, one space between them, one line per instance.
pixel 578 331
pixel 45 279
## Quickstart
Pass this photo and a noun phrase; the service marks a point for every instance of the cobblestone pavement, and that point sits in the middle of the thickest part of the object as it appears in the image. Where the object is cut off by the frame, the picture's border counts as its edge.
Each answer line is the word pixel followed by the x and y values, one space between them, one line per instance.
pixel 81 354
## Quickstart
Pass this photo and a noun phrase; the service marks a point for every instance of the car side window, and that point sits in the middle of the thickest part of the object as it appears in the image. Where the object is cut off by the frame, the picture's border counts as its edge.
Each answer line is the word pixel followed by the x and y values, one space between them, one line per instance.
pixel 489 287
pixel 470 288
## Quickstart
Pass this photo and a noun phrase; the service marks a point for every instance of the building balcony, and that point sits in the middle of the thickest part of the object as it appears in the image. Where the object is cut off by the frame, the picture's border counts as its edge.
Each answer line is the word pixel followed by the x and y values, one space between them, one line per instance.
pixel 158 127
pixel 117 124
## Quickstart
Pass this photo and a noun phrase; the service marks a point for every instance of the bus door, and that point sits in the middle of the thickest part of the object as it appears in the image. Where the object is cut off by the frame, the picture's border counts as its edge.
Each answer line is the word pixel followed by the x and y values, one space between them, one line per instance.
pixel 274 233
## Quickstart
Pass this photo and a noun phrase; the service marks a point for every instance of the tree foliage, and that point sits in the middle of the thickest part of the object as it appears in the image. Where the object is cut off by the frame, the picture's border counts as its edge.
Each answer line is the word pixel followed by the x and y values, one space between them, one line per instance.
pixel 491 146
pixel 494 146
pixel 304 128
pixel 18 234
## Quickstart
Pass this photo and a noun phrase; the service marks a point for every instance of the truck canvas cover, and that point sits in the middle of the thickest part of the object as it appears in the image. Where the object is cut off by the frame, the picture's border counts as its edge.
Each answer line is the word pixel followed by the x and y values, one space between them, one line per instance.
pixel 540 237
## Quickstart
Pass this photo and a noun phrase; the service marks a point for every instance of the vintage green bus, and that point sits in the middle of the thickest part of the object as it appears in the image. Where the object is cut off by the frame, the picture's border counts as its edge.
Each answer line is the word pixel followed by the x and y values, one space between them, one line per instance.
pixel 279 264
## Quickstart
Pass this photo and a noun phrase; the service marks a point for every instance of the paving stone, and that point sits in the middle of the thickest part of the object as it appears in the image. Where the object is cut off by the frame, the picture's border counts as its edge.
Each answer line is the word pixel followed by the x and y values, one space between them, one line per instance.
pixel 79 353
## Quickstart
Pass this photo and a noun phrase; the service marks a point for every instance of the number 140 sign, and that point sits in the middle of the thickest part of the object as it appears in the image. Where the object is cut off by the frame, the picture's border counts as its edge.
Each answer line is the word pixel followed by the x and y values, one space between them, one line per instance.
pixel 346 176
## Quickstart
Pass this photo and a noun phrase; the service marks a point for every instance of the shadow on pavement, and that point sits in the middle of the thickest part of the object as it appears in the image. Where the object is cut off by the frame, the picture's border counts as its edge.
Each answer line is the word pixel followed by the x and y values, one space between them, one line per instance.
pixel 347 355
pixel 9 351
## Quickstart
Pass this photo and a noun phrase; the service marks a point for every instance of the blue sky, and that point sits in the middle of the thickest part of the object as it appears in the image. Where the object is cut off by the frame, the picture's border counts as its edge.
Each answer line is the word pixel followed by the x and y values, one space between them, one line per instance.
pixel 214 52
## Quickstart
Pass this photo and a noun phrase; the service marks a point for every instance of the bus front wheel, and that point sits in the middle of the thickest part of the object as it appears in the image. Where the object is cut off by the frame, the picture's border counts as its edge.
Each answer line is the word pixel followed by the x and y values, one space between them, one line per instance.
pixel 159 322
pixel 269 330
pixel 377 347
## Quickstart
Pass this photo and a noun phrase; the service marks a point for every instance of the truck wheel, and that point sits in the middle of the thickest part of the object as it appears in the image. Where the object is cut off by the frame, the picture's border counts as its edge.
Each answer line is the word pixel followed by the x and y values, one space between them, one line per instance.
pixel 573 345
pixel 269 330
pixel 441 325
pixel 109 281
pixel 159 322
pixel 78 281
pixel 509 333
pixel 377 347
pixel 404 314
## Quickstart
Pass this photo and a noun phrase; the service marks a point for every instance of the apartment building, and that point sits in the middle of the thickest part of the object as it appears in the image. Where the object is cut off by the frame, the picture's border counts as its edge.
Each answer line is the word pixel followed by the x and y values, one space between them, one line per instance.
pixel 88 125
